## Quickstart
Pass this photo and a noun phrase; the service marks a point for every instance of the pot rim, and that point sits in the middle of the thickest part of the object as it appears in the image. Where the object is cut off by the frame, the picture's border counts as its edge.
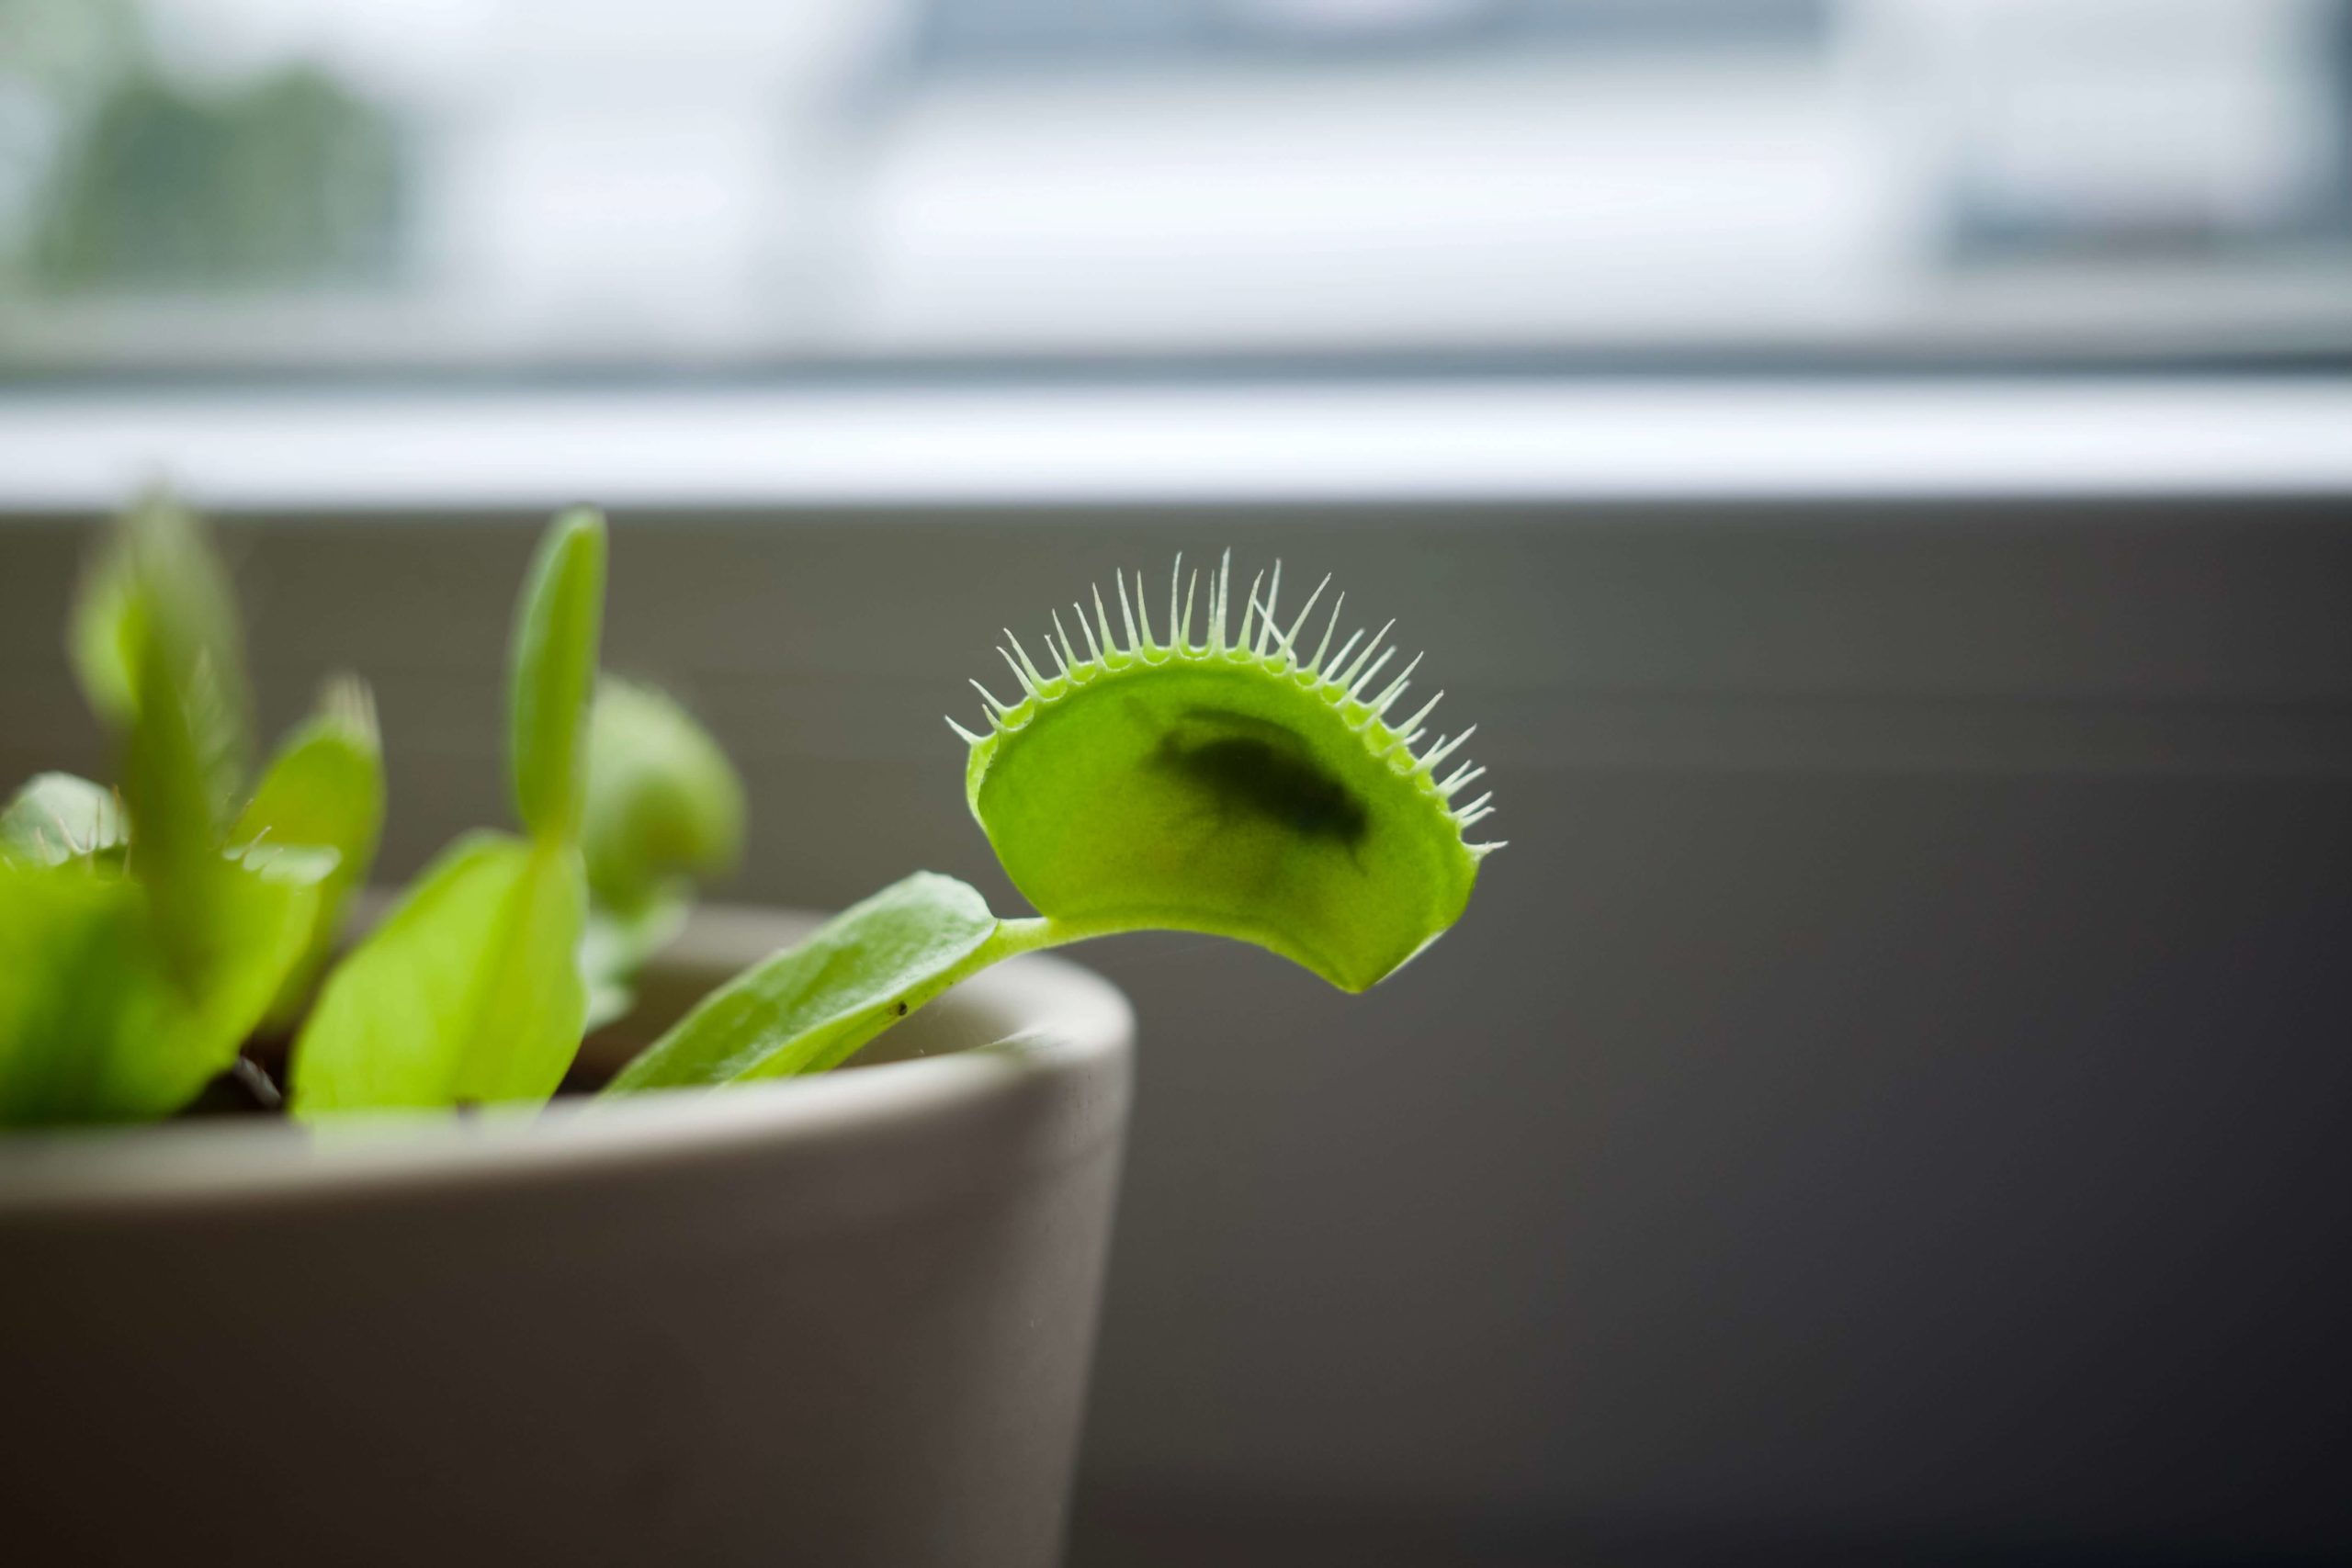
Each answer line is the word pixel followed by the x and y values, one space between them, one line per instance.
pixel 1035 1016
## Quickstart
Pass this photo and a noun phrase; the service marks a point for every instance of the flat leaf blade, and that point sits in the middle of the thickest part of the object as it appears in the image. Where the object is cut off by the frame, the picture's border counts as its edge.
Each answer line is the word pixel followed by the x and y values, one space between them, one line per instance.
pixel 266 904
pixel 559 622
pixel 809 1007
pixel 532 1008
pixel 95 1023
pixel 468 992
pixel 75 976
pixel 324 789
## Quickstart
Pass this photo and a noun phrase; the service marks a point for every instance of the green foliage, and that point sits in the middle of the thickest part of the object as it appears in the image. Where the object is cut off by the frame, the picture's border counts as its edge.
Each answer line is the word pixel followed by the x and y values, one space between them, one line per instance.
pixel 554 668
pixel 467 993
pixel 664 804
pixel 664 808
pixel 187 735
pixel 1226 786
pixel 175 786
pixel 156 610
pixel 102 637
pixel 68 51
pixel 132 979
pixel 58 817
pixel 1236 788
pixel 324 790
pixel 94 1026
pixel 470 992
pixel 287 179
pixel 81 987
pixel 810 1006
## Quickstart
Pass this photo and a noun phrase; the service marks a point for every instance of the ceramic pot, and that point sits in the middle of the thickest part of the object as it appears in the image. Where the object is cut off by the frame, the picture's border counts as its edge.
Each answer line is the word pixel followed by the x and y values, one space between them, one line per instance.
pixel 837 1321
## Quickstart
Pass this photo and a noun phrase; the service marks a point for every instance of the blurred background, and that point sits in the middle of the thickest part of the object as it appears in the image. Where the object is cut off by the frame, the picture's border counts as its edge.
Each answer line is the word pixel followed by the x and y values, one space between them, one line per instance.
pixel 532 184
pixel 1880 471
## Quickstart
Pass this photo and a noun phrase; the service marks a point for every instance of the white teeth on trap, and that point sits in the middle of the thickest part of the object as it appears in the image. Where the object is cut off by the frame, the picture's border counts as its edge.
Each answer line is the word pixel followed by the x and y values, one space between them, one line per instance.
pixel 1344 649
pixel 1342 678
pixel 1136 644
pixel 1445 749
pixel 1349 681
pixel 1290 637
pixel 1413 725
pixel 1397 688
pixel 1460 776
pixel 1103 621
pixel 1027 679
pixel 1028 670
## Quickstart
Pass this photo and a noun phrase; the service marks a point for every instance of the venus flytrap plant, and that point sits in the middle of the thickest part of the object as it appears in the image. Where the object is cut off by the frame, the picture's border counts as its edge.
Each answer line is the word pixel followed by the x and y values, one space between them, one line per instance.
pixel 664 807
pixel 325 790
pixel 1230 787
pixel 143 938
pixel 146 933
pixel 57 818
pixel 1227 785
pixel 470 992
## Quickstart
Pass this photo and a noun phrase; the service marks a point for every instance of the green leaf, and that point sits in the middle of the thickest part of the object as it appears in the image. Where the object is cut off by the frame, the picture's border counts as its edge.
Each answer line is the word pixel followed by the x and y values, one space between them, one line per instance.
pixel 471 991
pixel 1241 788
pixel 266 902
pixel 102 635
pixel 175 836
pixel 96 1023
pixel 468 993
pixel 80 980
pixel 187 737
pixel 554 668
pixel 664 804
pixel 532 1008
pixel 324 790
pixel 806 1008
pixel 126 994
pixel 157 585
pixel 57 818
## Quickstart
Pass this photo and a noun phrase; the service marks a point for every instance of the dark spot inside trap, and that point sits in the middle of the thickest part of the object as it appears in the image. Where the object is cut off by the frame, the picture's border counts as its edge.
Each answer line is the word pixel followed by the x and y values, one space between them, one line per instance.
pixel 1252 768
pixel 902 1009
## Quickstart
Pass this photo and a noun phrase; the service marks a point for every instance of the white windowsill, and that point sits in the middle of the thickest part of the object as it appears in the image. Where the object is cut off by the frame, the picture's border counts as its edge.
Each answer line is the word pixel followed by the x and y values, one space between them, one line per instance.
pixel 1484 441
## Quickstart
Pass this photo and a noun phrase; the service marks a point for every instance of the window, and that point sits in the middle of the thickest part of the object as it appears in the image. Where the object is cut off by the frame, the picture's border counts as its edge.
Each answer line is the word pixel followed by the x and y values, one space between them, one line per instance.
pixel 542 185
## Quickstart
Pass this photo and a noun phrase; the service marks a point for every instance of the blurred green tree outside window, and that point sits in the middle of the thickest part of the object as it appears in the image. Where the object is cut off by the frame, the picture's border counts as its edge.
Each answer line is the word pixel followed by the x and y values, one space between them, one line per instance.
pixel 283 180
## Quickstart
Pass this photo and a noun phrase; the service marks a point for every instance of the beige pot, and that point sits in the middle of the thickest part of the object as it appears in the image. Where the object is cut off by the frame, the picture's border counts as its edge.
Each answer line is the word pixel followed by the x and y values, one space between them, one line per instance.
pixel 838 1321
